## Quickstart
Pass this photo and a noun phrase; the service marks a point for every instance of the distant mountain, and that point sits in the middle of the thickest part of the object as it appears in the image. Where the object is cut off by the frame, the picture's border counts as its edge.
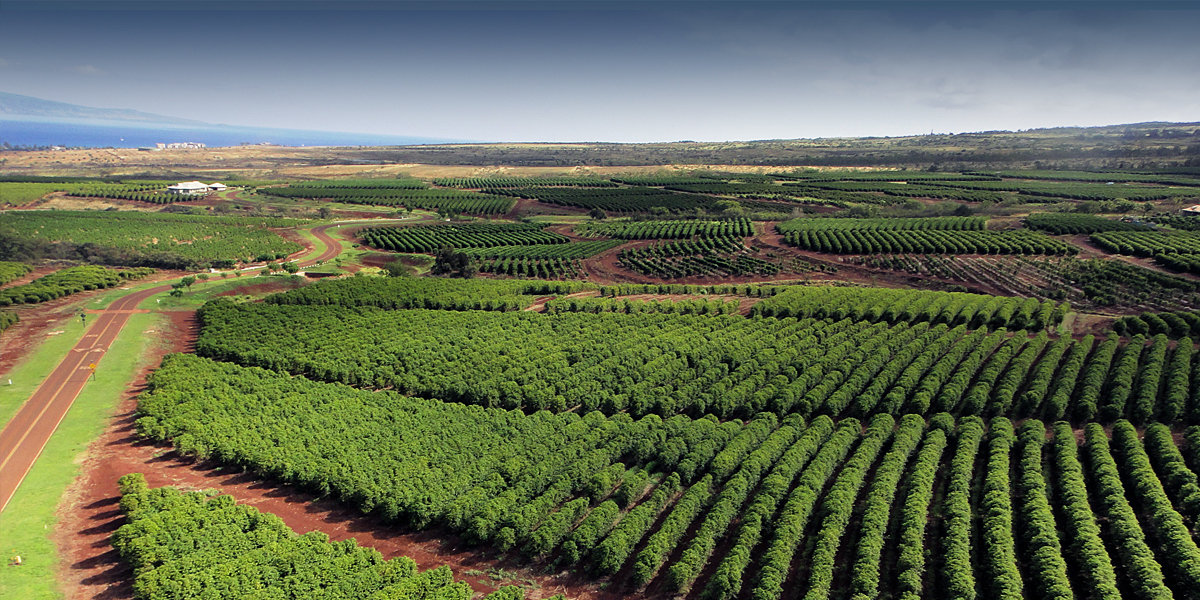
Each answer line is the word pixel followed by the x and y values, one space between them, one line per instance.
pixel 28 106
pixel 27 122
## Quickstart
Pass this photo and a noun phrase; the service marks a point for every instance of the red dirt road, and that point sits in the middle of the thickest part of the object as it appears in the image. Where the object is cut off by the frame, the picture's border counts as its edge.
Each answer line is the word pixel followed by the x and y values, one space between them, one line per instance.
pixel 22 440
pixel 332 247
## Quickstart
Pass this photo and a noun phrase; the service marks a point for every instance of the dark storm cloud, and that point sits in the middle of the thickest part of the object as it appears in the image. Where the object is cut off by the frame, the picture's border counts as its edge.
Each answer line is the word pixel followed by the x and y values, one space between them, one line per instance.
pixel 617 74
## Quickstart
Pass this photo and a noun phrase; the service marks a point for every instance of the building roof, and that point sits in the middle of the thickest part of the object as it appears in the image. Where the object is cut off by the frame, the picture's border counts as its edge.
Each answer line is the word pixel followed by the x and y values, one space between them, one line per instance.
pixel 189 185
pixel 216 184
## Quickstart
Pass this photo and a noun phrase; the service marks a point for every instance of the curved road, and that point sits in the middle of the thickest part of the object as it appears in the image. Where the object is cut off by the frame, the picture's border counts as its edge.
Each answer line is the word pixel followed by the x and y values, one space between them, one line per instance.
pixel 24 437
pixel 332 247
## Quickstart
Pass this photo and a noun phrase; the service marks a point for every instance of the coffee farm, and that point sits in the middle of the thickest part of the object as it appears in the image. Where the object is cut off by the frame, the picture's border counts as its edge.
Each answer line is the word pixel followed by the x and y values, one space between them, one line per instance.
pixel 676 385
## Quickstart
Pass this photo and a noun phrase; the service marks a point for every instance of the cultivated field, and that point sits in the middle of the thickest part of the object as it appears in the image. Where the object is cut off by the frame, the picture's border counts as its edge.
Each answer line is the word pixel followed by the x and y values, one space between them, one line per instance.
pixel 763 382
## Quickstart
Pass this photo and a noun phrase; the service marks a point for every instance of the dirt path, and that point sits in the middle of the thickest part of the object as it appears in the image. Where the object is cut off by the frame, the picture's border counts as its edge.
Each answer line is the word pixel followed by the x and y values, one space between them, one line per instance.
pixel 23 438
pixel 1148 263
pixel 539 303
pixel 604 270
pixel 332 246
pixel 1084 243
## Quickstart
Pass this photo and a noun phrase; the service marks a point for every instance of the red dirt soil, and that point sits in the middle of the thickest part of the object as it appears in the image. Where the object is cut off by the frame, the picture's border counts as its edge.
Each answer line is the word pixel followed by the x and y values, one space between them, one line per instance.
pixel 292 236
pixel 88 513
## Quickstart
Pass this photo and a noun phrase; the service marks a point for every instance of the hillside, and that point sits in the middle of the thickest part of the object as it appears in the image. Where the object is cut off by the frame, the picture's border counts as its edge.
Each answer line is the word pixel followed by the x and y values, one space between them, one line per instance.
pixel 28 106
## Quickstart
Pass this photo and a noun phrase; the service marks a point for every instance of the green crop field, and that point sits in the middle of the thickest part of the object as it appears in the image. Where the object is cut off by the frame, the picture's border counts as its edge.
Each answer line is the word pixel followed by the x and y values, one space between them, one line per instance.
pixel 157 239
pixel 892 384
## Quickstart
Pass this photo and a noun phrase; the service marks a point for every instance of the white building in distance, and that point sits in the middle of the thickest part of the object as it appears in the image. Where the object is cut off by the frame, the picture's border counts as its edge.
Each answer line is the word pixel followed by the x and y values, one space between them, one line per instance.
pixel 188 187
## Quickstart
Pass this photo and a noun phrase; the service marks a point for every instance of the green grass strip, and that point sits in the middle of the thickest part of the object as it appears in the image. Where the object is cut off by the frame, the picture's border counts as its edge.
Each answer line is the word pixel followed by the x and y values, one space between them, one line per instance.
pixel 28 522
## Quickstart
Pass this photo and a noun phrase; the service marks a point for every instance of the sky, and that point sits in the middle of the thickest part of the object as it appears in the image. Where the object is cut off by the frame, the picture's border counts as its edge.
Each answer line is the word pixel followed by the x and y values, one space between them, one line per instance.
pixel 614 71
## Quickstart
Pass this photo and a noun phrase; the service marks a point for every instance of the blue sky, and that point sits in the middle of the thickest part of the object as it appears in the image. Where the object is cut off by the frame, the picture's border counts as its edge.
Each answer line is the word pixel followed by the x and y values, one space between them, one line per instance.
pixel 601 72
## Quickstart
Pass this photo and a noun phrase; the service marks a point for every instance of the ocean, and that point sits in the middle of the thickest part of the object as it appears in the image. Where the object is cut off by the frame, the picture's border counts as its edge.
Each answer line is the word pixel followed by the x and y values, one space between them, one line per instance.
pixel 117 134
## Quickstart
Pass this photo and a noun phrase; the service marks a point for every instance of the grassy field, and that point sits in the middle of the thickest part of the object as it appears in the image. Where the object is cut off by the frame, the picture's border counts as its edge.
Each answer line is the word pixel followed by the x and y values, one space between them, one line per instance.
pixel 36 500
pixel 24 193
pixel 203 292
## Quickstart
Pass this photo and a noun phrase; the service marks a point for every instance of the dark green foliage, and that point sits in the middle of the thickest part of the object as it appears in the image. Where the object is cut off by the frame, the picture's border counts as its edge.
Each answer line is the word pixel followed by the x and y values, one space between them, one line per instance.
pixel 1082 538
pixel 191 545
pixel 900 306
pixel 413 292
pixel 776 560
pixel 914 516
pixel 1149 243
pixel 593 527
pixel 671 229
pixel 1173 324
pixel 672 529
pixel 958 576
pixel 512 182
pixel 839 503
pixel 430 238
pixel 728 505
pixel 1046 565
pixel 1038 386
pixel 1128 541
pixel 996 528
pixel 1066 378
pixel 8 318
pixel 864 580
pixel 627 306
pixel 727 581
pixel 1149 381
pixel 943 235
pixel 1177 478
pixel 622 200
pixel 69 281
pixel 1095 373
pixel 1015 373
pixel 1120 380
pixel 612 552
pixel 156 239
pixel 1177 382
pixel 408 193
pixel 1179 554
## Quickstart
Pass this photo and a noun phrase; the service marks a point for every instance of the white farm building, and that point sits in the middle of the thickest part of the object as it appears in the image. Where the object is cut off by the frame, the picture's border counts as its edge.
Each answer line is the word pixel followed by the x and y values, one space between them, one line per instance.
pixel 194 187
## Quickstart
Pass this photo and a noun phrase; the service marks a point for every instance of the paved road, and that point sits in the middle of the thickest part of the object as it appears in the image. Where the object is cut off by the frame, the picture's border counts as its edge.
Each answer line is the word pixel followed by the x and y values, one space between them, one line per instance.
pixel 22 440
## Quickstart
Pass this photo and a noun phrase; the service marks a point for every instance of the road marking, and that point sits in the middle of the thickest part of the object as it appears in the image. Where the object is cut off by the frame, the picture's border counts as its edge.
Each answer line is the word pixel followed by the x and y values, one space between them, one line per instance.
pixel 49 402
pixel 136 298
